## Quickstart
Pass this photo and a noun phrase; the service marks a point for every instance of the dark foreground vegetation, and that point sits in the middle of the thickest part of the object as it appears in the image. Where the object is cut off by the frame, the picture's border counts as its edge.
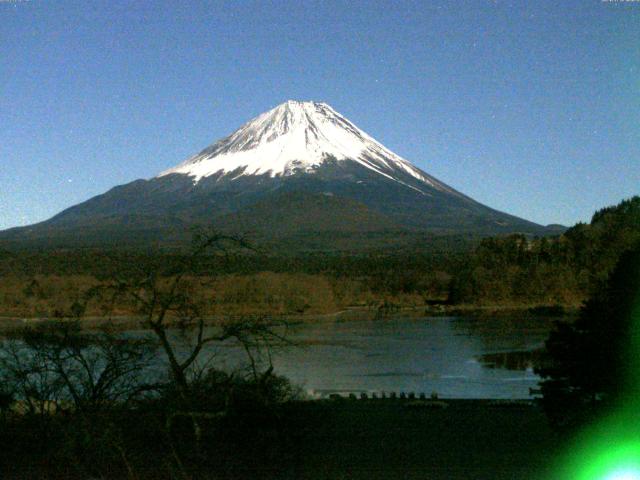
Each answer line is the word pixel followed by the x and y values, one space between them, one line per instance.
pixel 590 366
pixel 225 427
pixel 270 435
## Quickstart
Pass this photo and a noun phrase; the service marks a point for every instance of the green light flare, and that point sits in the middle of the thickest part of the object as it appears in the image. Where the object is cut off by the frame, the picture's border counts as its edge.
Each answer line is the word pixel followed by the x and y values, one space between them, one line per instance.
pixel 624 474
pixel 610 449
pixel 607 451
pixel 609 463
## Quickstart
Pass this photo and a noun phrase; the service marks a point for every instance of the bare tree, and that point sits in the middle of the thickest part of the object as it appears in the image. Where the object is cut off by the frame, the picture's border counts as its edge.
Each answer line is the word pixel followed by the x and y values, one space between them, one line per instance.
pixel 169 312
pixel 56 366
pixel 71 378
pixel 161 299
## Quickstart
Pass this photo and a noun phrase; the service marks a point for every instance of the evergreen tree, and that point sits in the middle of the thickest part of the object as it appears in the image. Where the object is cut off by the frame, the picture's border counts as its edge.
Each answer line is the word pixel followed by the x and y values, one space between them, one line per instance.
pixel 589 361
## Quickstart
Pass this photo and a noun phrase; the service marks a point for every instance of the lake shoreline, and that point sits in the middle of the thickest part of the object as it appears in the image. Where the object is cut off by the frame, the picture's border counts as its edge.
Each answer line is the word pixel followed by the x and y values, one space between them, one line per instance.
pixel 128 322
pixel 398 353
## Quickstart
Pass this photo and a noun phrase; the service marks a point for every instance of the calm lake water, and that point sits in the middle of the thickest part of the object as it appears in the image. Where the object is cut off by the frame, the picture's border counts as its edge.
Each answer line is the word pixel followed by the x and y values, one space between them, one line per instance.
pixel 409 355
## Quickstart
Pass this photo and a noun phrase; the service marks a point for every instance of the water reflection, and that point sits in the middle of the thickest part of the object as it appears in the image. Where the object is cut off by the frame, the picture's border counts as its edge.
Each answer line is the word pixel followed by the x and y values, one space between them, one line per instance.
pixel 455 357
pixel 516 360
pixel 408 355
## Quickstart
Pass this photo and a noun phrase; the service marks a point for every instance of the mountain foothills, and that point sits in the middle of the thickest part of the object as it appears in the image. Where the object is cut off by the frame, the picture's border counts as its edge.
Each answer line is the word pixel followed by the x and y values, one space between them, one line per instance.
pixel 565 269
pixel 338 220
pixel 506 271
pixel 292 175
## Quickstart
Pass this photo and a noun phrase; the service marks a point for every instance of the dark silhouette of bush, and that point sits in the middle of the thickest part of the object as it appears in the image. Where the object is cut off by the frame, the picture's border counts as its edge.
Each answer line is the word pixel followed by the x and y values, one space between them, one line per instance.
pixel 587 365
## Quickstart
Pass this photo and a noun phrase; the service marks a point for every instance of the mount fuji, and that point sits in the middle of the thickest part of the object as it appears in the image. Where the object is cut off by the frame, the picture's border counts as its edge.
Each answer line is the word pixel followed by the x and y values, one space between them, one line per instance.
pixel 298 137
pixel 298 169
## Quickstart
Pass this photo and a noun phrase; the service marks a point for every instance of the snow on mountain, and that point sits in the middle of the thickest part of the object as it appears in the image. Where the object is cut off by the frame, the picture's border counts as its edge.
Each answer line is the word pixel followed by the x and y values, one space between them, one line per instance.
pixel 298 171
pixel 297 137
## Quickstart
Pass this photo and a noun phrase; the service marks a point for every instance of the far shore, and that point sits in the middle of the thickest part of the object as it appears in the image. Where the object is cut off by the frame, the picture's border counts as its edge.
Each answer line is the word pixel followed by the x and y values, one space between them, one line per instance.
pixel 357 313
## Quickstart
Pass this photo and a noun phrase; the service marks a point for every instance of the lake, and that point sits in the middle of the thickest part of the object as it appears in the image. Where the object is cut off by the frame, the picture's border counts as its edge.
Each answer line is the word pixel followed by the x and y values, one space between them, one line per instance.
pixel 445 355
pixel 420 355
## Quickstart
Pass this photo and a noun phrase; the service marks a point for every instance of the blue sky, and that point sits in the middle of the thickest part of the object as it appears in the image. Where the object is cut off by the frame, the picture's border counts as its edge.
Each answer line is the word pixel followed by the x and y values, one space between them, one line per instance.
pixel 532 108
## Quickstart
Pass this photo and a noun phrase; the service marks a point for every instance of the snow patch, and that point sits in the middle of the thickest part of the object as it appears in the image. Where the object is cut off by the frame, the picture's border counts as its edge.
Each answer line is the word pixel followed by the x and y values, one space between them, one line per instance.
pixel 298 137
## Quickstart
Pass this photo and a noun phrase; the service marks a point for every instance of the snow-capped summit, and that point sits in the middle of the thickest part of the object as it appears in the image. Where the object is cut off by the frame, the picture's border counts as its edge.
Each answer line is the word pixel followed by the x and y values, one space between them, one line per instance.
pixel 297 137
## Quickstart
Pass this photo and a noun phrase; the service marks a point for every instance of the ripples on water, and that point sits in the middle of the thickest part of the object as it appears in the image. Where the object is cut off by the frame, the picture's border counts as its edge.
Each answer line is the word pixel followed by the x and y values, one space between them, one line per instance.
pixel 455 357
pixel 409 355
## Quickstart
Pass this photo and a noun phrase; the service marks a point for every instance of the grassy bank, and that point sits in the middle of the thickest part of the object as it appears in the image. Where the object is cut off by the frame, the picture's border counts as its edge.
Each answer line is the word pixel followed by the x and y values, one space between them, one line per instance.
pixel 299 295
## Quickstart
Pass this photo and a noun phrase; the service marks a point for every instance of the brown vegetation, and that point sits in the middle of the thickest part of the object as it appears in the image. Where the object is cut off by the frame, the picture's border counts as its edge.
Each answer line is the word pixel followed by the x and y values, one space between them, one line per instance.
pixel 54 296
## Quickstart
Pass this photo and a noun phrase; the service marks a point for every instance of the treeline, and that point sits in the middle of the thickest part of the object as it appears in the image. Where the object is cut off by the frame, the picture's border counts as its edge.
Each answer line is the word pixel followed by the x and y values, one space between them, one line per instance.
pixel 106 263
pixel 50 284
pixel 229 294
pixel 586 378
pixel 513 270
pixel 563 269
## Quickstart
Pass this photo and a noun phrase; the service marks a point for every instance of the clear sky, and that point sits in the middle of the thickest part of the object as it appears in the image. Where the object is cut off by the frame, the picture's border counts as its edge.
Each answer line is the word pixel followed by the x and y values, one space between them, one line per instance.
pixel 531 107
